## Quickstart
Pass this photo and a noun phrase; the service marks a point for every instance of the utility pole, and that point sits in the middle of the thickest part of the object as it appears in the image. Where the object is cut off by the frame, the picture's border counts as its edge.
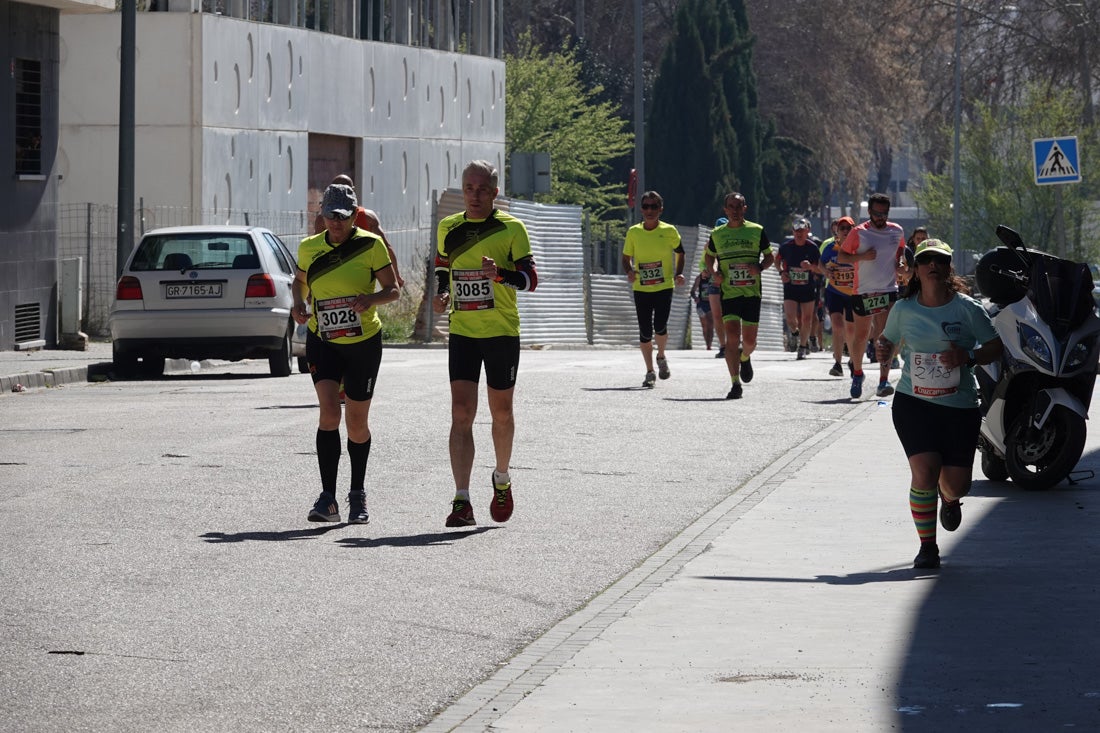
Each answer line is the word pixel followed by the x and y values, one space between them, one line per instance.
pixel 125 232
pixel 956 200
pixel 639 113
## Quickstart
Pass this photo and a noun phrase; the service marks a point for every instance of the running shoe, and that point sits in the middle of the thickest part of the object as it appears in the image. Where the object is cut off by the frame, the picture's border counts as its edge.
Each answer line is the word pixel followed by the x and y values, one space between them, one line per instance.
pixel 857 386
pixel 837 370
pixel 501 507
pixel 746 371
pixel 662 368
pixel 462 514
pixel 357 508
pixel 650 380
pixel 928 558
pixel 884 389
pixel 721 353
pixel 325 509
pixel 895 364
pixel 735 392
pixel 813 344
pixel 951 515
pixel 802 350
pixel 792 341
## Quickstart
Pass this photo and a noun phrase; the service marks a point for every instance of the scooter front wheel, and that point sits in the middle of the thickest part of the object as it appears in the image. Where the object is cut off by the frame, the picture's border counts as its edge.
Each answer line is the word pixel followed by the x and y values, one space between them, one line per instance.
pixel 1039 458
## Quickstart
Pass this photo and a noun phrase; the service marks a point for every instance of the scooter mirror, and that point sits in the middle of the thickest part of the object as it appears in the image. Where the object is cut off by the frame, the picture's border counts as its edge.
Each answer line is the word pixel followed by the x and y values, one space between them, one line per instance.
pixel 1010 237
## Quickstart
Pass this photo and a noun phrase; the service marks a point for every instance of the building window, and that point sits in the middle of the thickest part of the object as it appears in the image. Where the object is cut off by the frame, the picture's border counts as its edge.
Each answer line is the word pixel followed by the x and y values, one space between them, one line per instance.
pixel 28 117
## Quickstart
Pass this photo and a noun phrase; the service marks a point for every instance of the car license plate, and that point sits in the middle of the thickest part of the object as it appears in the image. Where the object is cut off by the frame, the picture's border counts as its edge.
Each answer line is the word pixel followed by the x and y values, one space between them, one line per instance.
pixel 193 290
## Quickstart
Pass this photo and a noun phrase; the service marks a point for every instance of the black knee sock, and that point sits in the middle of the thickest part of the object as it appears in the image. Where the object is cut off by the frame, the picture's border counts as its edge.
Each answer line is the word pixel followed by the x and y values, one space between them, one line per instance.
pixel 358 453
pixel 328 458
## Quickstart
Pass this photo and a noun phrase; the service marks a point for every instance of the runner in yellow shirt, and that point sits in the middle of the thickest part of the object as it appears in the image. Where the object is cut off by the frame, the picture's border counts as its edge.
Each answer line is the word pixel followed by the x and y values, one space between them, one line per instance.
pixel 653 259
pixel 737 253
pixel 345 272
pixel 483 257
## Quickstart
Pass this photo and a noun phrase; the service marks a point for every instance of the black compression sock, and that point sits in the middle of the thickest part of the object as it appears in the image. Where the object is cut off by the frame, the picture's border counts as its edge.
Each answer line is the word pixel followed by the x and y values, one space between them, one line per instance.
pixel 328 458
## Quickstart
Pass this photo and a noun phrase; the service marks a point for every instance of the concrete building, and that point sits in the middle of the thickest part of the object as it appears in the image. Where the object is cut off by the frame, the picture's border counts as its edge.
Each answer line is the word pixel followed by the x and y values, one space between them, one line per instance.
pixel 30 46
pixel 246 111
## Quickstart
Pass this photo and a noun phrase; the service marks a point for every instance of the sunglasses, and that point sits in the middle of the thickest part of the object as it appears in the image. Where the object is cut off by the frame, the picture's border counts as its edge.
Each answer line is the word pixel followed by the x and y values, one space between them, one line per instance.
pixel 338 217
pixel 878 214
pixel 651 206
pixel 941 260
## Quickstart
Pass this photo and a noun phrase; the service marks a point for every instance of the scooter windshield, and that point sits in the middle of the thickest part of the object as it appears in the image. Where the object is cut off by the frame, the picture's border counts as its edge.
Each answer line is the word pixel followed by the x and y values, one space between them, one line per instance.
pixel 1062 293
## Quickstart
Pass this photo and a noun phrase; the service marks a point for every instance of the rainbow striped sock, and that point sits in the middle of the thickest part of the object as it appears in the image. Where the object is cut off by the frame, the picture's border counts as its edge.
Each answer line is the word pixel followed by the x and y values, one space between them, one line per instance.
pixel 922 504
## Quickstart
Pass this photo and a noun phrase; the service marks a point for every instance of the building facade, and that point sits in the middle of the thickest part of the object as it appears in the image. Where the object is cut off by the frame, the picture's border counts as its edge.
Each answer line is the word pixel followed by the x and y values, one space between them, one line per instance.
pixel 245 111
pixel 31 45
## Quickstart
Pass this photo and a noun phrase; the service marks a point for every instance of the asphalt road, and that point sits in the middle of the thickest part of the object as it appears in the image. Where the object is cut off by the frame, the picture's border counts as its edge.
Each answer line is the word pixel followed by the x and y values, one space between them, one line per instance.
pixel 159 574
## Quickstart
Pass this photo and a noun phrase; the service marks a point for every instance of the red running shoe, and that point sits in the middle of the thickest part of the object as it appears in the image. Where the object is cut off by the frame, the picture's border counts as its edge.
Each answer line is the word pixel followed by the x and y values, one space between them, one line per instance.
pixel 462 514
pixel 501 507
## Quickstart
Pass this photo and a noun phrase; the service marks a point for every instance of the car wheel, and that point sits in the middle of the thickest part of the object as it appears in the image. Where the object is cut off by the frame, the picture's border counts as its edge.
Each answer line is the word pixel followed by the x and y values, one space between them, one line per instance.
pixel 303 365
pixel 152 366
pixel 279 360
pixel 125 362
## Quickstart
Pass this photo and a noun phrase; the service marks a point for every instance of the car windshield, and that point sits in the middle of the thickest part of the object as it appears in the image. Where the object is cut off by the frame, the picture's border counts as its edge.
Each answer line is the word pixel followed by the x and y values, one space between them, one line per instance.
pixel 197 251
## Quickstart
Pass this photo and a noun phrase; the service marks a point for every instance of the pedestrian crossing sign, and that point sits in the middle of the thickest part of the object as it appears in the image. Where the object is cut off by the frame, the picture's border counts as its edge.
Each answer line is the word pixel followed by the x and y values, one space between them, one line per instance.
pixel 1056 160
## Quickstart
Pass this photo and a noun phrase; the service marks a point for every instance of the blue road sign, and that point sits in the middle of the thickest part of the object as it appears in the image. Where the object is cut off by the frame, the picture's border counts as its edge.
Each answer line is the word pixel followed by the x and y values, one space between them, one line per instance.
pixel 1056 160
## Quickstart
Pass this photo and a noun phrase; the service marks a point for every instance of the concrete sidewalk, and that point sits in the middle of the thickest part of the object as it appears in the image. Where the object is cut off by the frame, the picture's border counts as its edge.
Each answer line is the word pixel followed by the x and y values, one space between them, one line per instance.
pixel 40 368
pixel 45 368
pixel 793 606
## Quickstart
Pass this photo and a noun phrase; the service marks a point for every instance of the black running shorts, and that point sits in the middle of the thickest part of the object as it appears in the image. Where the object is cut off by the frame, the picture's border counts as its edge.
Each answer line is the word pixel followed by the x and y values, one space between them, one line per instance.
pixel 744 308
pixel 652 308
pixel 925 427
pixel 356 365
pixel 499 354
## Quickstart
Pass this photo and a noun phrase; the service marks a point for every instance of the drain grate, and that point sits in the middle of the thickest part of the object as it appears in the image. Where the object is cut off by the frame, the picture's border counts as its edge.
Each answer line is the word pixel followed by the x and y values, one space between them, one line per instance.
pixel 28 322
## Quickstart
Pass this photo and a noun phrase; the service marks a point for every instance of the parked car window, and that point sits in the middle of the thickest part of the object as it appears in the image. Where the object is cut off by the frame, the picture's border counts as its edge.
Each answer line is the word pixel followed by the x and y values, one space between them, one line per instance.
pixel 196 251
pixel 282 254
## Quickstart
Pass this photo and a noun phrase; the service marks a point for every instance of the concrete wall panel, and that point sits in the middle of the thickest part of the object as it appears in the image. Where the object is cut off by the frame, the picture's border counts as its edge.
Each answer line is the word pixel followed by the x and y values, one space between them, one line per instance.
pixel 226 107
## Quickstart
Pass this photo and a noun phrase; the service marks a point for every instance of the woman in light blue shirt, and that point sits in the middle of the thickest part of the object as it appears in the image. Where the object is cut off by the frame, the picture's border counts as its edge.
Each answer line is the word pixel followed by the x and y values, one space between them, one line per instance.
pixel 942 333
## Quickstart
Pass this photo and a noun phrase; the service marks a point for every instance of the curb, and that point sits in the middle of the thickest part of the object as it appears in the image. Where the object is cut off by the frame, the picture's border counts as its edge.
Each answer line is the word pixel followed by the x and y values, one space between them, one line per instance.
pixel 96 372
pixel 44 379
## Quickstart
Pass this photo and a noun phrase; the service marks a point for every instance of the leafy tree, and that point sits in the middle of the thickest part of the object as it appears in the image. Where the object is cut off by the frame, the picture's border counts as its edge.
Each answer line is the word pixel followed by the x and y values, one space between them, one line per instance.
pixel 998 185
pixel 859 83
pixel 550 110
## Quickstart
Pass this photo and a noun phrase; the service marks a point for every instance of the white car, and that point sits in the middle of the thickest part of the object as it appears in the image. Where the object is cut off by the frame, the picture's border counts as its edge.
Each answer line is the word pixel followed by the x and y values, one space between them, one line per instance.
pixel 204 292
pixel 298 347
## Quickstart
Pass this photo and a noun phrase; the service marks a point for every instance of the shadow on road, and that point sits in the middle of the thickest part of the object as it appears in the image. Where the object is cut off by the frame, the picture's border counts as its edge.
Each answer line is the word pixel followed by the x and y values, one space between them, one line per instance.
pixel 893 575
pixel 1008 637
pixel 281 536
pixel 416 540
pixel 615 389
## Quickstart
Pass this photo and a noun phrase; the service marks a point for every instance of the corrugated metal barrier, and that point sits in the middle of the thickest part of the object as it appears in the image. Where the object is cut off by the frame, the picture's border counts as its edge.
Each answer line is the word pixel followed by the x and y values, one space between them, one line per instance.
pixel 574 305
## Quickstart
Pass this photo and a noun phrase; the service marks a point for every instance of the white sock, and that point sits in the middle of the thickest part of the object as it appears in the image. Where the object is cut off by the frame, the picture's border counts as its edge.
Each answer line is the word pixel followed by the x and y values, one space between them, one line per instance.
pixel 501 478
pixel 463 494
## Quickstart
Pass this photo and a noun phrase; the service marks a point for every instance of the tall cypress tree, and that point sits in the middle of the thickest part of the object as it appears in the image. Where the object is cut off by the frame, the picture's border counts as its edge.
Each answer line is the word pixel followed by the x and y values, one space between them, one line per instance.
pixel 678 136
pixel 703 133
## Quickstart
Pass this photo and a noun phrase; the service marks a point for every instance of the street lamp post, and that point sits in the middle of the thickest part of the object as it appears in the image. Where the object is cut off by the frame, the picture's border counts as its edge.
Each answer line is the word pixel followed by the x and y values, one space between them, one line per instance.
pixel 956 200
pixel 126 95
pixel 639 112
